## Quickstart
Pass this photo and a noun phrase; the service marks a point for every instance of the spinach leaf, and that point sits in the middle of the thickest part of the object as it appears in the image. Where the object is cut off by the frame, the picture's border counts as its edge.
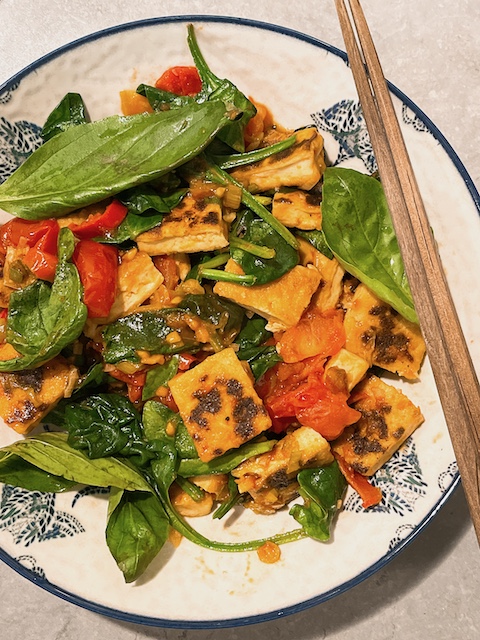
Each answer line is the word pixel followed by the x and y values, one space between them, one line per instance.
pixel 159 376
pixel 322 489
pixel 137 529
pixel 251 348
pixel 43 318
pixel 259 232
pixel 147 331
pixel 317 239
pixel 20 473
pixel 93 161
pixel 69 112
pixel 261 359
pixel 132 226
pixel 226 462
pixel 163 476
pixel 359 231
pixel 157 418
pixel 106 424
pixel 146 208
pixel 52 453
pixel 213 88
pixel 226 317
pixel 161 100
pixel 253 334
pixel 145 198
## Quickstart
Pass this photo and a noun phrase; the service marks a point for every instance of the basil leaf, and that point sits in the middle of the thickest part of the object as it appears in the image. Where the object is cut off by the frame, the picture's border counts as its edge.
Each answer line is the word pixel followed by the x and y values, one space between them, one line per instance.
pixel 358 229
pixel 322 489
pixel 20 473
pixel 137 529
pixel 259 232
pixel 92 161
pixel 43 319
pixel 226 462
pixel 70 112
pixel 213 88
pixel 52 453
pixel 159 376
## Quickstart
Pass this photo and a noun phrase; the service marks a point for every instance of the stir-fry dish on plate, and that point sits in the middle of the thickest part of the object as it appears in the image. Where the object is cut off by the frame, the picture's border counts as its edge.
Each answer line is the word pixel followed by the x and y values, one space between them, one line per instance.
pixel 198 313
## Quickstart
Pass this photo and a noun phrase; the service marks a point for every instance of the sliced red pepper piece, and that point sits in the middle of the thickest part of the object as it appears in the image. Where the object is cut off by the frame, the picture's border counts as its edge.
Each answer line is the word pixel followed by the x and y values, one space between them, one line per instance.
pixel 369 494
pixel 97 266
pixel 98 224
pixel 182 81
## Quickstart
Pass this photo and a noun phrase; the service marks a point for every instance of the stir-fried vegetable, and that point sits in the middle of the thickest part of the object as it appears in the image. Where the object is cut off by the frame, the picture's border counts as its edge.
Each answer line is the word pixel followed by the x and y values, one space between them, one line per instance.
pixel 195 303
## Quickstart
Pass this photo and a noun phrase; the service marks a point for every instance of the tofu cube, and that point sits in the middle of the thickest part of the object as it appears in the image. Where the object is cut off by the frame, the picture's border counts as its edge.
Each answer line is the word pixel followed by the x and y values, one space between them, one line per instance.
pixel 193 225
pixel 301 165
pixel 137 280
pixel 345 370
pixel 27 396
pixel 219 405
pixel 388 418
pixel 380 335
pixel 281 302
pixel 298 209
pixel 270 478
pixel 330 289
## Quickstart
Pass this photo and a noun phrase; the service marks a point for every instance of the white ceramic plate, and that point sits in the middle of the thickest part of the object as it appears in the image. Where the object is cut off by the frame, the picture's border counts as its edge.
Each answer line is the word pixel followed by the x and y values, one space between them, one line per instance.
pixel 58 541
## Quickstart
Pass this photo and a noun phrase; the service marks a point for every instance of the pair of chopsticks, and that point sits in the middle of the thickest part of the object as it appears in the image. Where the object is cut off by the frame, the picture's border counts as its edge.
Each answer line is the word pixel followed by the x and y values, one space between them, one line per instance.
pixel 455 376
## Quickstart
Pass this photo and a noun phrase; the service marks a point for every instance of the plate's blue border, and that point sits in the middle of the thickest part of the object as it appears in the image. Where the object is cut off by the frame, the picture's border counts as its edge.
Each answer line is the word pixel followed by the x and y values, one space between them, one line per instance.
pixel 273 615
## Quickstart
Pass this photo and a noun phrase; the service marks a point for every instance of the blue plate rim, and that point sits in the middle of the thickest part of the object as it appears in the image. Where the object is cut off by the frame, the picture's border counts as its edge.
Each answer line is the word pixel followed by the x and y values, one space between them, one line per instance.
pixel 391 554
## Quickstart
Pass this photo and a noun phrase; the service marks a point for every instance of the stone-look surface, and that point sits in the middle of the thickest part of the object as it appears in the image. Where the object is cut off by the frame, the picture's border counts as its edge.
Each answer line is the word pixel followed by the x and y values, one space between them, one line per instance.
pixel 429 50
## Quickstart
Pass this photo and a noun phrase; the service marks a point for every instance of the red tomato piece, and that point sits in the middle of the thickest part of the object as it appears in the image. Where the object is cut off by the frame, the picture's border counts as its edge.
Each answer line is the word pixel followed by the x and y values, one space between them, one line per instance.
pixel 134 381
pixel 316 334
pixel 32 230
pixel 369 494
pixel 97 266
pixel 182 81
pixel 299 392
pixel 99 223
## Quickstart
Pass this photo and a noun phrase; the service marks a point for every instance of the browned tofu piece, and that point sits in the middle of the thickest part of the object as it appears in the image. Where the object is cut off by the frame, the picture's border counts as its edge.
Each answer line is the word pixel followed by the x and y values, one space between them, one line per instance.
pixel 331 272
pixel 388 419
pixel 298 209
pixel 219 405
pixel 27 396
pixel 137 280
pixel 345 370
pixel 281 302
pixel 380 335
pixel 302 165
pixel 270 478
pixel 193 225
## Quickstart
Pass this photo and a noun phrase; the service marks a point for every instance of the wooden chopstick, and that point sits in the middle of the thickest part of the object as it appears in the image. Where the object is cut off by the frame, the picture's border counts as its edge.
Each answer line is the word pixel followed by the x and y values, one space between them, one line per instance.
pixel 455 376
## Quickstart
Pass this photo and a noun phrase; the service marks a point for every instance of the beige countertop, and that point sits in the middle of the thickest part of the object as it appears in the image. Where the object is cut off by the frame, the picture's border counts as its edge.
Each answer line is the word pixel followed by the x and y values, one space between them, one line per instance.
pixel 430 50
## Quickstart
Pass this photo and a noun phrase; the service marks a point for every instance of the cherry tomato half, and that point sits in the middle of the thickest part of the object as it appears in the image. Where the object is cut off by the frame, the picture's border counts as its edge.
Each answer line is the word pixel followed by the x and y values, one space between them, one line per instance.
pixel 97 266
pixel 183 81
